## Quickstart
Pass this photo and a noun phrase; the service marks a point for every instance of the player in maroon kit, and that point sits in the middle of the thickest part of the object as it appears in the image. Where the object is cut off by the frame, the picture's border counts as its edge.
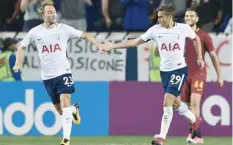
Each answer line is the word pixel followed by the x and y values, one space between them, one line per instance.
pixel 194 85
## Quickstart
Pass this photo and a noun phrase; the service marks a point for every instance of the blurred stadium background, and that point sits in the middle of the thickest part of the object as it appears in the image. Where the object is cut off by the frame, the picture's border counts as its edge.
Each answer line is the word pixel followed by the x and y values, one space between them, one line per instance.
pixel 119 93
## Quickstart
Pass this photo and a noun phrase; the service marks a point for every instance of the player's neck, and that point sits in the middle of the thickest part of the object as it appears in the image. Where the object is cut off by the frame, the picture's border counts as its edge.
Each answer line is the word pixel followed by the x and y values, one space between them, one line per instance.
pixel 195 28
pixel 171 24
pixel 49 25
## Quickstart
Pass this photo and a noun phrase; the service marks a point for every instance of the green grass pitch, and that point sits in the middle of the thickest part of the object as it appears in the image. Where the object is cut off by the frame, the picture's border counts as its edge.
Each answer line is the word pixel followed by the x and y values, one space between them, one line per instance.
pixel 108 140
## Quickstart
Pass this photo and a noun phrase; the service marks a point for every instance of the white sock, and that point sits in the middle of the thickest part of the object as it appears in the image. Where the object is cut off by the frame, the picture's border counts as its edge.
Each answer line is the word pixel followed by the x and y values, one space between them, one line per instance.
pixel 184 111
pixel 166 121
pixel 67 122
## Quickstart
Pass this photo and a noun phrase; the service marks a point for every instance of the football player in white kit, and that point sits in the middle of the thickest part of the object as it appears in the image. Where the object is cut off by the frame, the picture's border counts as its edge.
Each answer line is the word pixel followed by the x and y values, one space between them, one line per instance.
pixel 51 42
pixel 170 38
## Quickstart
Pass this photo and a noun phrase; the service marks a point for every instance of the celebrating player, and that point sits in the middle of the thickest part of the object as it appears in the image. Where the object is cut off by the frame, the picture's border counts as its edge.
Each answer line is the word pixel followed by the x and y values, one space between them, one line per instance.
pixel 194 85
pixel 170 37
pixel 51 40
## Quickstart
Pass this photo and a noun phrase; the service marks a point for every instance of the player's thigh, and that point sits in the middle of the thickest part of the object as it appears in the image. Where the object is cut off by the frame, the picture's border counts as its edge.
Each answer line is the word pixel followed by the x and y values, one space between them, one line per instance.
pixel 52 91
pixel 65 88
pixel 176 81
pixel 185 92
pixel 197 85
pixel 168 100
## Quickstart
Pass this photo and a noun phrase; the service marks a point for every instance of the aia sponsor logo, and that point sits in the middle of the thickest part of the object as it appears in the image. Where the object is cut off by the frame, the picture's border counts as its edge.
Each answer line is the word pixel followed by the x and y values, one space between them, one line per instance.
pixel 169 47
pixel 51 48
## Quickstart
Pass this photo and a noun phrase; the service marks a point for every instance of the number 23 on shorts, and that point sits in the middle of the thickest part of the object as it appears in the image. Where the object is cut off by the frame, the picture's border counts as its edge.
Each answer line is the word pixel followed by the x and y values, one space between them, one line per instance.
pixel 68 81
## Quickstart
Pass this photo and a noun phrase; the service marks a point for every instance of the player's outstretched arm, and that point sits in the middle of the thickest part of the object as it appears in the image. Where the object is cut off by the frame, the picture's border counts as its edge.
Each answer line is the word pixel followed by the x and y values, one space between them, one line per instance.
pixel 19 56
pixel 90 38
pixel 102 47
pixel 127 44
pixel 197 44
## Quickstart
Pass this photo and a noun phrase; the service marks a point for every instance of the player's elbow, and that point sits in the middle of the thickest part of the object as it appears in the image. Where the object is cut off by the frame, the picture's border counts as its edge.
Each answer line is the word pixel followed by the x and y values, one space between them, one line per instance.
pixel 20 50
pixel 133 43
pixel 213 55
pixel 137 42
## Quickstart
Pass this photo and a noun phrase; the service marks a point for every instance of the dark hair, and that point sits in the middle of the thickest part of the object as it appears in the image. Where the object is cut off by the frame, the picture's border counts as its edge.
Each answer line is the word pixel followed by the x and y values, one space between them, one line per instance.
pixel 169 9
pixel 7 42
pixel 192 9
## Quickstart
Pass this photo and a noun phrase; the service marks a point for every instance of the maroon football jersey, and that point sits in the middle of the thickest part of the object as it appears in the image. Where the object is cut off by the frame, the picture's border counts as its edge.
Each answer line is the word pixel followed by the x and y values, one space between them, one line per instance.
pixel 191 55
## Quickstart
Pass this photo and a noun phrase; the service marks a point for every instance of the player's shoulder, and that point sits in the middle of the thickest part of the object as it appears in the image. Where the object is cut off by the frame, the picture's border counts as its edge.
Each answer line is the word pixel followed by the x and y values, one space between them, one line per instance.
pixel 201 31
pixel 181 25
pixel 156 26
pixel 61 25
pixel 36 29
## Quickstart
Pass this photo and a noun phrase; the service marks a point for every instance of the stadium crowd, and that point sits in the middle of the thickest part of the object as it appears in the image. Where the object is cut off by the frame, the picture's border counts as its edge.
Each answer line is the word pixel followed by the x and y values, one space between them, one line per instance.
pixel 114 15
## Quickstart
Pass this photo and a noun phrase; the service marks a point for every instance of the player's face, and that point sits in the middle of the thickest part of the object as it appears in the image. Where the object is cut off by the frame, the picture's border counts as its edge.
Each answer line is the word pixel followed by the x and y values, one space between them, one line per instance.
pixel 190 18
pixel 163 18
pixel 50 14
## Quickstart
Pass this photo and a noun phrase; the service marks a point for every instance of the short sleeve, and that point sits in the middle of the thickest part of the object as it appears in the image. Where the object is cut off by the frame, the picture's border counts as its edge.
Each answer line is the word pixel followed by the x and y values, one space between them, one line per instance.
pixel 208 43
pixel 72 32
pixel 189 32
pixel 147 35
pixel 27 39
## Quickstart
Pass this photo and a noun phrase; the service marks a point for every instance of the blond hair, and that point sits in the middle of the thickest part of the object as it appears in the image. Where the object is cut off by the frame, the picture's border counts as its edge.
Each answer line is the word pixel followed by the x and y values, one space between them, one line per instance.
pixel 43 4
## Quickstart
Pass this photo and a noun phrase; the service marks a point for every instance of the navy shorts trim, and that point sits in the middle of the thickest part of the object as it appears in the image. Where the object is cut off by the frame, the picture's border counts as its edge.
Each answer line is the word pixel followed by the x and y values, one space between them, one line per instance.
pixel 173 81
pixel 60 85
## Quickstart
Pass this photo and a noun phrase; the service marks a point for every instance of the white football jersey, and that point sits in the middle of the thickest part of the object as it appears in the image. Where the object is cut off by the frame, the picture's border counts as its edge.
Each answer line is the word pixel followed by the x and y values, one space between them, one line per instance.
pixel 52 48
pixel 170 43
